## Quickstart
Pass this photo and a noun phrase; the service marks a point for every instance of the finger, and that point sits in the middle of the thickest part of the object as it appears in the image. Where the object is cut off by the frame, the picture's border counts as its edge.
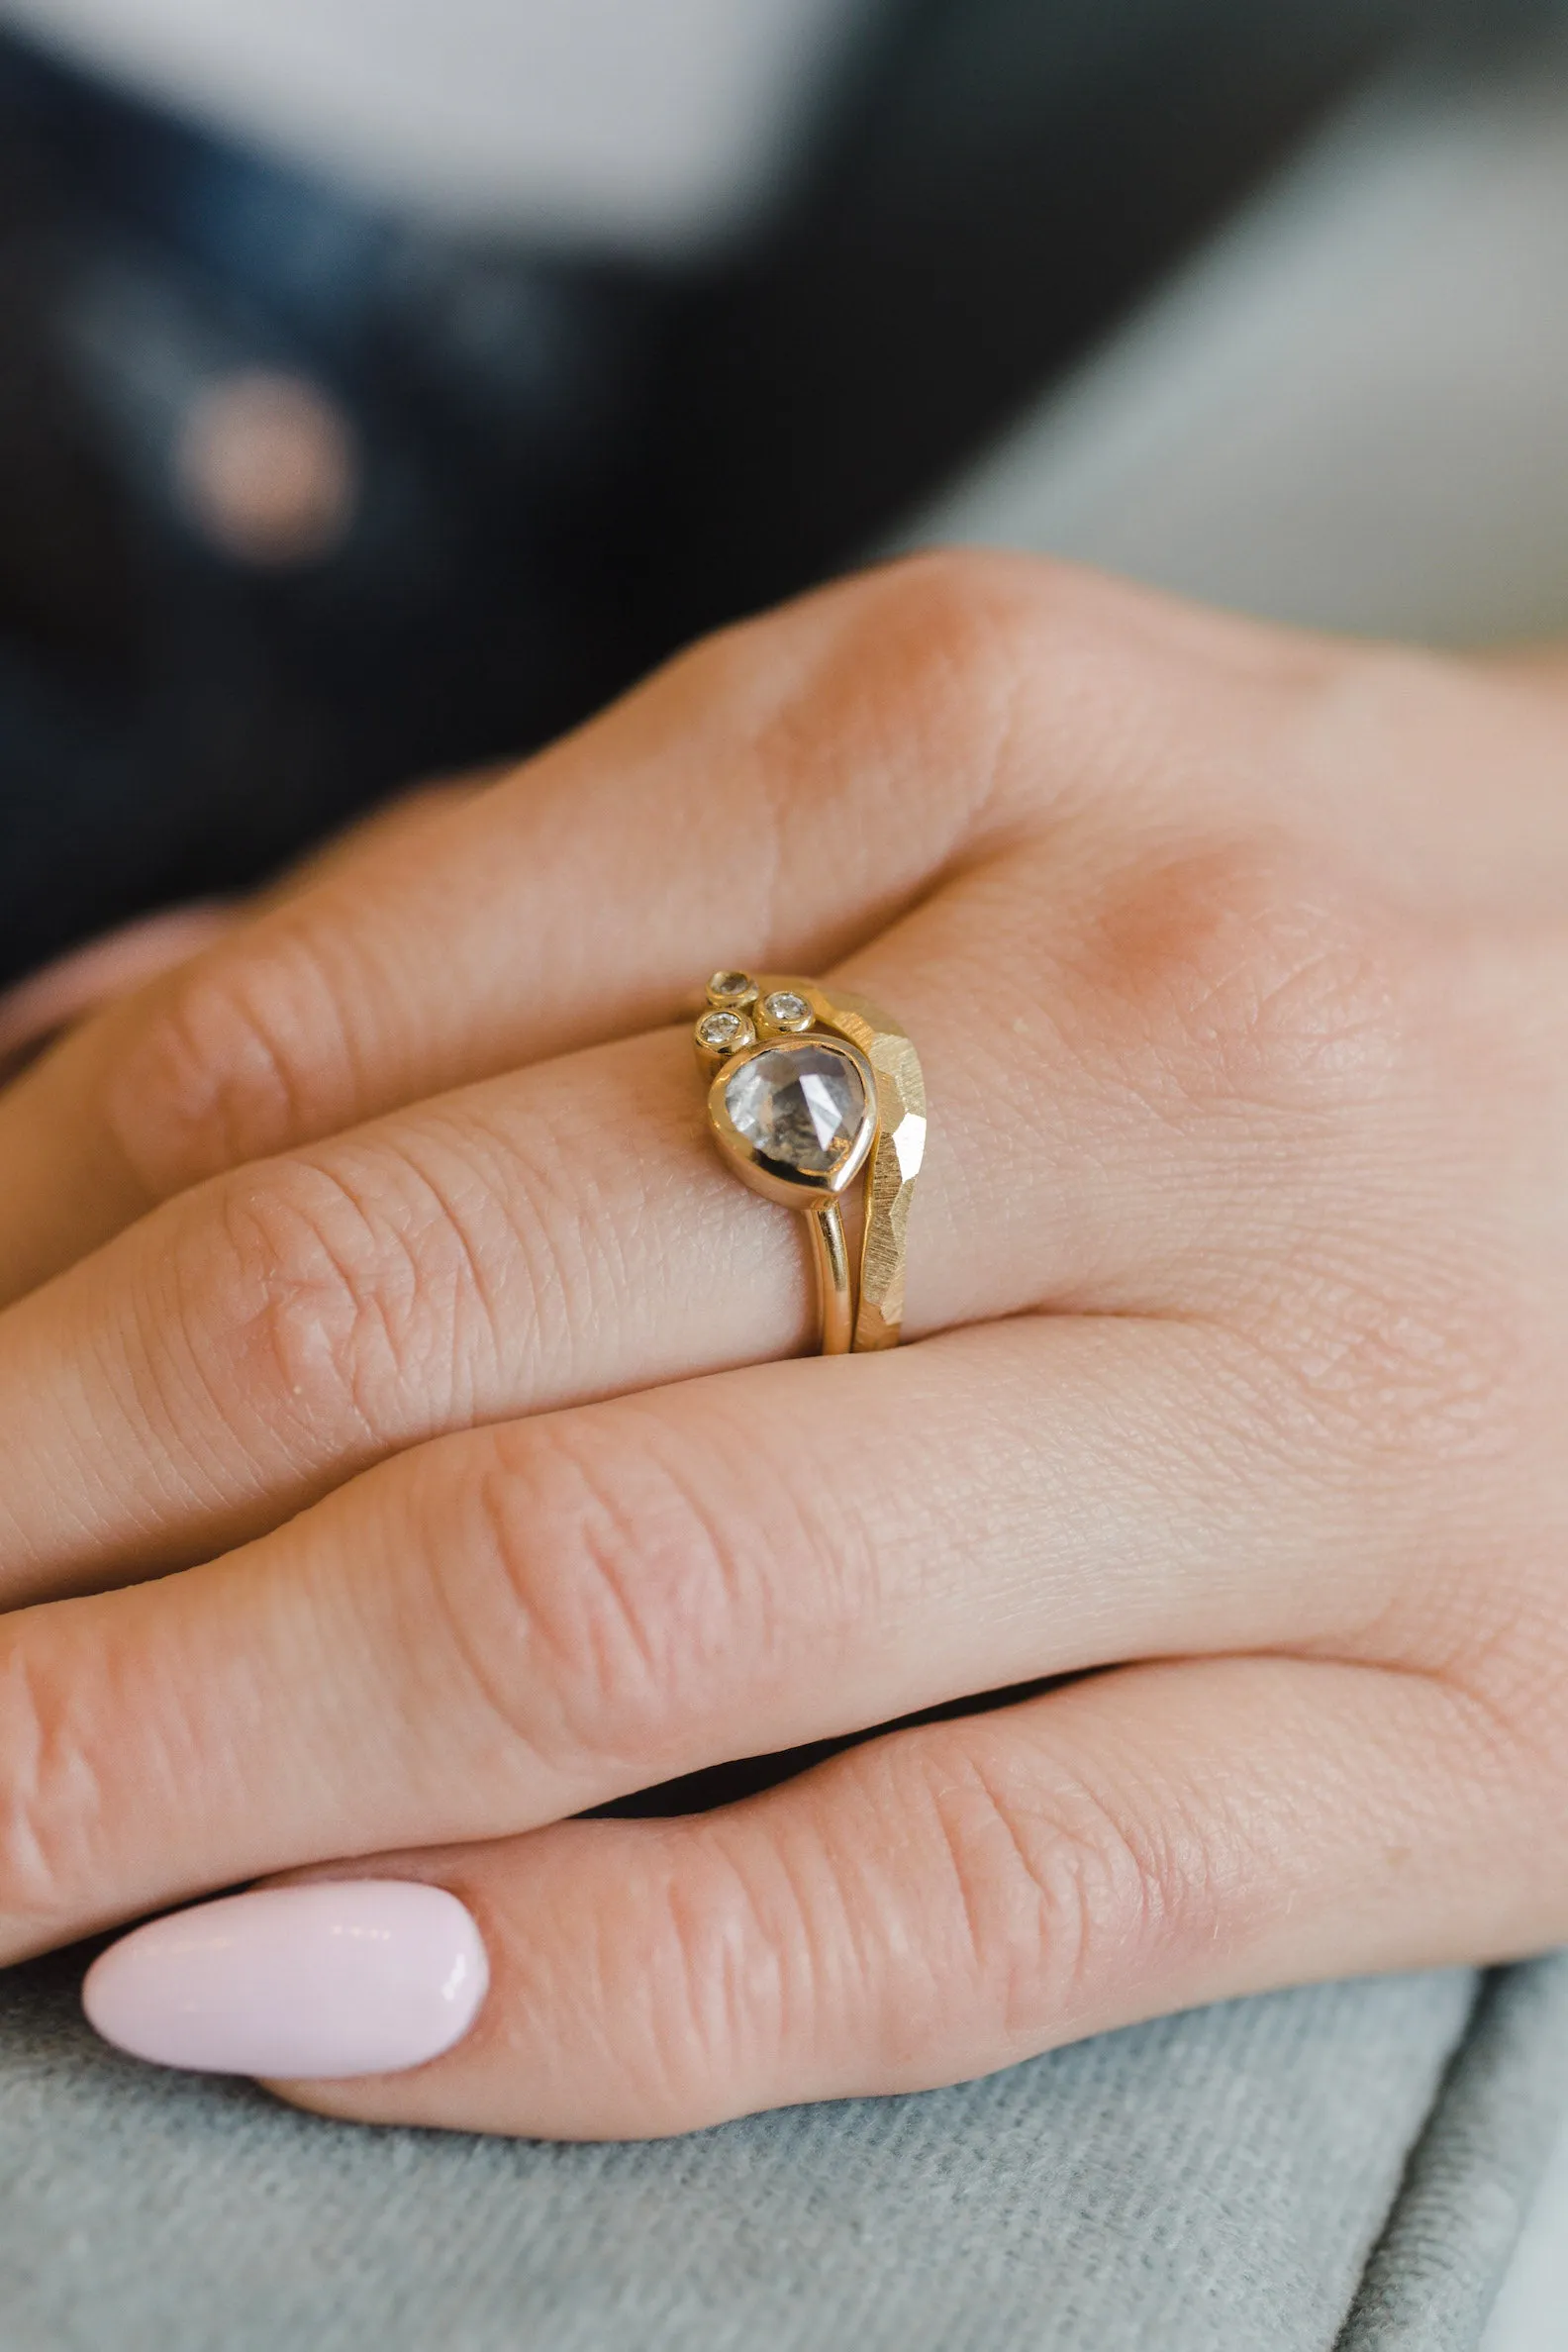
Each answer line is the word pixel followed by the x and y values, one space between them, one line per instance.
pixel 1148 1098
pixel 772 799
pixel 944 1902
pixel 78 984
pixel 61 1188
pixel 519 1624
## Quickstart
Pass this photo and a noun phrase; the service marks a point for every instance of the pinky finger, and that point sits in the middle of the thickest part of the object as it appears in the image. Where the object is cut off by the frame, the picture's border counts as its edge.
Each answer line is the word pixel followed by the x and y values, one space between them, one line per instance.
pixel 934 1905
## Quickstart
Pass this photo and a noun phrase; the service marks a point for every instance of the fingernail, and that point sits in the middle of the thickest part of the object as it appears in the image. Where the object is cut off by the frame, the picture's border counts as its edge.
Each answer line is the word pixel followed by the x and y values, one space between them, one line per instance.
pixel 338 1978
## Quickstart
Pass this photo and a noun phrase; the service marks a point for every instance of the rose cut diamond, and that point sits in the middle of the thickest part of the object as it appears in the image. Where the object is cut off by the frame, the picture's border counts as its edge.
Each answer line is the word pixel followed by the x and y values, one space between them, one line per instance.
pixel 800 1109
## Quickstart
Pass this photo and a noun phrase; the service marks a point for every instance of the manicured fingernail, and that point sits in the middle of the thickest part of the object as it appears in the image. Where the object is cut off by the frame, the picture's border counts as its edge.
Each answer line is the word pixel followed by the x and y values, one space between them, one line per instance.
pixel 347 1977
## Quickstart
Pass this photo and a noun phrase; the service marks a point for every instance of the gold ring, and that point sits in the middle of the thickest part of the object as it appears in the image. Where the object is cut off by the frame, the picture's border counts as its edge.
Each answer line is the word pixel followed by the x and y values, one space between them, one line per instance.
pixel 808 1088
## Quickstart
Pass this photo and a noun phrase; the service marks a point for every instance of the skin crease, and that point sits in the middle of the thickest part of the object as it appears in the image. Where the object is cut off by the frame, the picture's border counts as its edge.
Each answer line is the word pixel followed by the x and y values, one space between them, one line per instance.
pixel 405 1446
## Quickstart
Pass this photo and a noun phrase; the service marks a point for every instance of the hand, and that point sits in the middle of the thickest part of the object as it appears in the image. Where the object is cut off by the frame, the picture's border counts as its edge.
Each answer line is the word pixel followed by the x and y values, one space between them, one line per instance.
pixel 363 1266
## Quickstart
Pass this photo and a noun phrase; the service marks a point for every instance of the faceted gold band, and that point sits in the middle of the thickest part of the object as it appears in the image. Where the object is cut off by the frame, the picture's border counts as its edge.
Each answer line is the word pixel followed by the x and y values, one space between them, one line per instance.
pixel 810 1090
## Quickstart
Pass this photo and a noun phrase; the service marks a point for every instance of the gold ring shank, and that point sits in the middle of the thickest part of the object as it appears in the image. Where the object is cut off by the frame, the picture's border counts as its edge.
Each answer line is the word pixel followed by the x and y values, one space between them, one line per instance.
pixel 835 1290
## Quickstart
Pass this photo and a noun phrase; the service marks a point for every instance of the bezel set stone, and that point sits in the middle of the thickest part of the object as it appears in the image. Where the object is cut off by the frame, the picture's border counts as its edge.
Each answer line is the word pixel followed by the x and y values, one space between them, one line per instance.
pixel 786 1010
pixel 803 1111
pixel 723 1031
pixel 735 1019
pixel 796 1116
pixel 731 991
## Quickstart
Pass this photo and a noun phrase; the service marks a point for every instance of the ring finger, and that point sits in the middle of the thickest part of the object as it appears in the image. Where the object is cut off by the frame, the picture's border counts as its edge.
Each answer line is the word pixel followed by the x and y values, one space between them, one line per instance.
pixel 568 1233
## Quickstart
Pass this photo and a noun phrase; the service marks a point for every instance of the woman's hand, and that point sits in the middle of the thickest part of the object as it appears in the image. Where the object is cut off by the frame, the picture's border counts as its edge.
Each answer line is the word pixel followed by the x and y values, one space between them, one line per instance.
pixel 392 1239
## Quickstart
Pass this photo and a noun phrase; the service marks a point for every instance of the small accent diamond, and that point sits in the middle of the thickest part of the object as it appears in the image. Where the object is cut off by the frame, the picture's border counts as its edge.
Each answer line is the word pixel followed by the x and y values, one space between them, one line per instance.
pixel 787 1010
pixel 731 987
pixel 722 1032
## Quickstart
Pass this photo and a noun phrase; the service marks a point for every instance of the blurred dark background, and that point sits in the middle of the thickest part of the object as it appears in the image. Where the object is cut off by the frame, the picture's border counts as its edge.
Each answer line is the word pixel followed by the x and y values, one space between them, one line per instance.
pixel 521 477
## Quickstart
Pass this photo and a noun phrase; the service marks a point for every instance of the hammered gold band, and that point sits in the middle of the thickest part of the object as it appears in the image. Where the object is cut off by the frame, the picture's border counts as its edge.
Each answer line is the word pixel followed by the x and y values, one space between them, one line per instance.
pixel 810 1089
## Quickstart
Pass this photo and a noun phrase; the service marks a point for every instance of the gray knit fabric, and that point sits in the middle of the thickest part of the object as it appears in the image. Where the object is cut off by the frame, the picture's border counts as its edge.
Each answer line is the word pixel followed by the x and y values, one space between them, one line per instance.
pixel 1211 2183
pixel 1431 2282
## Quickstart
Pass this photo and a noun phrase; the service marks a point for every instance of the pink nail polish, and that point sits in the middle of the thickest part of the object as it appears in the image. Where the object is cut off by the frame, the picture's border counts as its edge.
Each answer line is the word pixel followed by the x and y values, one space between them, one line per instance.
pixel 347 1977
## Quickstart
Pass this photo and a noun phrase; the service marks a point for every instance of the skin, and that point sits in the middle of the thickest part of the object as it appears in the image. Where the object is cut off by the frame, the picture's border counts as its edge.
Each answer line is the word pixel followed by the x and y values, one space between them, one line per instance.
pixel 405 1443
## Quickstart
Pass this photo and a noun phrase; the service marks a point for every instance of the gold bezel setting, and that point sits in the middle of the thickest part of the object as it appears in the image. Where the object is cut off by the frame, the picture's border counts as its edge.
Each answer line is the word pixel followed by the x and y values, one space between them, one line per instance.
pixel 784 1013
pixel 889 1143
pixel 731 992
pixel 723 1031
pixel 775 1179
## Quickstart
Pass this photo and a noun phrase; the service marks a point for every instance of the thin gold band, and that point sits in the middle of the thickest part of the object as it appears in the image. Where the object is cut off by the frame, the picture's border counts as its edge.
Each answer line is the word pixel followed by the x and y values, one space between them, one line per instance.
pixel 835 1288
pixel 870 1110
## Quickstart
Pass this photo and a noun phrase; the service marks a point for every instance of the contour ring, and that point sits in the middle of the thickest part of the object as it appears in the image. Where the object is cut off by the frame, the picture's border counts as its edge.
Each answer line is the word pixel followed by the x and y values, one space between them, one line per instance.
pixel 809 1089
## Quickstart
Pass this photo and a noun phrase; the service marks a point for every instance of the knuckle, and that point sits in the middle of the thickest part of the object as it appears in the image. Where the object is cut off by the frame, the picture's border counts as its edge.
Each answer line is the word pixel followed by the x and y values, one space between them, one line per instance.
pixel 903 617
pixel 932 662
pixel 235 1060
pixel 1252 987
pixel 1053 689
pixel 730 1963
pixel 633 1593
pixel 1057 1888
pixel 953 602
pixel 322 1309
pixel 48 1809
pixel 1246 975
pixel 876 686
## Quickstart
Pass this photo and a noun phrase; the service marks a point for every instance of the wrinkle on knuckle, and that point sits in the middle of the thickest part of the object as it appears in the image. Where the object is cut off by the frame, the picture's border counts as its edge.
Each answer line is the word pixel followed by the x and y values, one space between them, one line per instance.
pixel 1056 1889
pixel 773 1961
pixel 473 1597
pixel 636 1594
pixel 52 1808
pixel 567 1229
pixel 726 1981
pixel 240 1056
pixel 320 1307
